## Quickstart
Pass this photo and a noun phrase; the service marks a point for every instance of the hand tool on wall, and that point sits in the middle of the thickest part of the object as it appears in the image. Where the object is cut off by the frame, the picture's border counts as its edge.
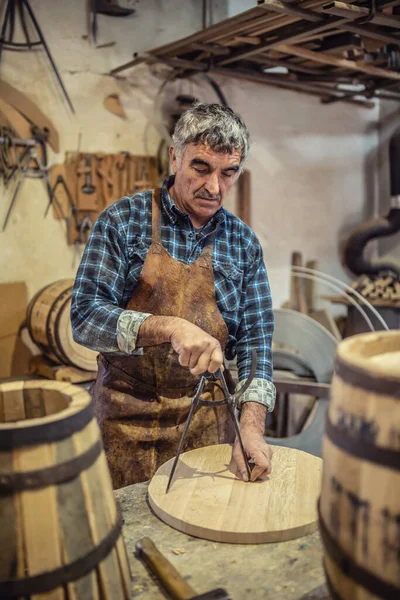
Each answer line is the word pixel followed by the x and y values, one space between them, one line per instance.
pixel 23 168
pixel 72 218
pixel 104 170
pixel 114 8
pixel 87 196
pixel 176 586
pixel 121 164
pixel 229 399
pixel 25 14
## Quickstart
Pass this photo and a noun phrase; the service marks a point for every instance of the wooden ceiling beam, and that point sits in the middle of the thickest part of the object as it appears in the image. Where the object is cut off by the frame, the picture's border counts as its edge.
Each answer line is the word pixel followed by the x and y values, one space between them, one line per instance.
pixel 327 59
pixel 351 11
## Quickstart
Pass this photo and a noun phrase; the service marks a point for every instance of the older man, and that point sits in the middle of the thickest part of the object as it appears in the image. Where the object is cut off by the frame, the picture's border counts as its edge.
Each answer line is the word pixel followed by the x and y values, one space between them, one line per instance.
pixel 168 282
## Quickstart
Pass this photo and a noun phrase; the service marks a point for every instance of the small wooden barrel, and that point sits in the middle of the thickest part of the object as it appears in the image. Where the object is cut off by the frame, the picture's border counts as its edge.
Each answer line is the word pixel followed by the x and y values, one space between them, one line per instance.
pixel 49 325
pixel 60 528
pixel 359 508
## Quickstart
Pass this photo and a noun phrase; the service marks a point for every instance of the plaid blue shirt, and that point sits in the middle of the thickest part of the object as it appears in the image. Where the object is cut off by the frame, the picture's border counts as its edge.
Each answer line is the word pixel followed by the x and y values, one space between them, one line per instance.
pixel 113 259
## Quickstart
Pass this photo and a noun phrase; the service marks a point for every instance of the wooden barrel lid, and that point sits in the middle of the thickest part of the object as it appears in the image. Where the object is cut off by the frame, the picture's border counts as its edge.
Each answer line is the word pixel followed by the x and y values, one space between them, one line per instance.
pixel 207 500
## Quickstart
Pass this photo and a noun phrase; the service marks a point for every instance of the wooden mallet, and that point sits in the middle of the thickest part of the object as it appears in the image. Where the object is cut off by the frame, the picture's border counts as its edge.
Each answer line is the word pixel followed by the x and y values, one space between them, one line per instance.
pixel 177 587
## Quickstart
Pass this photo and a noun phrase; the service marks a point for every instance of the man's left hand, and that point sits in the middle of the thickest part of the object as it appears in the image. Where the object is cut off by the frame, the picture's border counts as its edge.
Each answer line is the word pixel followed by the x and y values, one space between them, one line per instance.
pixel 252 425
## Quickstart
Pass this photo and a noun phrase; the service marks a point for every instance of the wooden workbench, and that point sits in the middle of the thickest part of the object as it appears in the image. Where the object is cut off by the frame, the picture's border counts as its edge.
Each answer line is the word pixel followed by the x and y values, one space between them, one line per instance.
pixel 282 571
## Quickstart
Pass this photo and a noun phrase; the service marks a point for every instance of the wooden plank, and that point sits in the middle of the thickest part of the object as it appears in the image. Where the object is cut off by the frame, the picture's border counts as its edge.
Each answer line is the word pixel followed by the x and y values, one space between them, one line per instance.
pixel 34 403
pixel 310 285
pixel 273 21
pixel 8 534
pixel 74 524
pixel 213 49
pixel 292 9
pixel 14 302
pixel 242 39
pixel 28 108
pixel 14 406
pixel 40 365
pixel 21 127
pixel 351 11
pixel 111 513
pixel 297 295
pixel 93 484
pixel 40 518
pixel 327 59
pixel 284 34
pixel 230 25
pixel 310 88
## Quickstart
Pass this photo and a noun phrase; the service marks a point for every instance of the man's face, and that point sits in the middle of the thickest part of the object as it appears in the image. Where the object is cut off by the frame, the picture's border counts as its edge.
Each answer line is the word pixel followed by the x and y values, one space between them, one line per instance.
pixel 202 180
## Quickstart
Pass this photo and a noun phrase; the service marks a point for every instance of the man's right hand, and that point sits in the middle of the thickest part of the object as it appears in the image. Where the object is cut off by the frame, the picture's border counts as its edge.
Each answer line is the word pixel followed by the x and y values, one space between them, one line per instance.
pixel 196 349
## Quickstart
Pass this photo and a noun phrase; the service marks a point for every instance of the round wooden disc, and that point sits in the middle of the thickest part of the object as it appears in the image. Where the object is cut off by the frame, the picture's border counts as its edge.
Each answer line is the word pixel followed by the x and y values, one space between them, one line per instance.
pixel 207 500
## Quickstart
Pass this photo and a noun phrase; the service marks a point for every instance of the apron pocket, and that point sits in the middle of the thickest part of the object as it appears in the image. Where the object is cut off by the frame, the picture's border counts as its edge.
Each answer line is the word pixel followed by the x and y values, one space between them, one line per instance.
pixel 137 253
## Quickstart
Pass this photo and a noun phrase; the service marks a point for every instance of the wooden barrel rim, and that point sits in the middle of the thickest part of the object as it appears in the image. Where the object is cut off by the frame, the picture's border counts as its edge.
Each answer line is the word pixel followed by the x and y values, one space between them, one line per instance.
pixel 53 430
pixel 365 379
pixel 354 571
pixel 360 447
pixel 60 473
pixel 45 582
pixel 54 340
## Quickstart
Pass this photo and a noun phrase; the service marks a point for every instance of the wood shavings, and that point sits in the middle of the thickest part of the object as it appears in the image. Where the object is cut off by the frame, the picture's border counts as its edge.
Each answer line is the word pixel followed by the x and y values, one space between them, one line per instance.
pixel 178 550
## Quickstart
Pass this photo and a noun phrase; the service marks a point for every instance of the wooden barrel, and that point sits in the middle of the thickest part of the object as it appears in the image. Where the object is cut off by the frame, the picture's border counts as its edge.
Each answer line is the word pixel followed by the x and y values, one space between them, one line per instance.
pixel 60 528
pixel 359 507
pixel 49 325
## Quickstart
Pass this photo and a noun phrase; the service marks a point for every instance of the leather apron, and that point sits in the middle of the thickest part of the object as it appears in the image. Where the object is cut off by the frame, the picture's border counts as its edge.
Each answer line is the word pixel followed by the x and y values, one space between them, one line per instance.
pixel 142 401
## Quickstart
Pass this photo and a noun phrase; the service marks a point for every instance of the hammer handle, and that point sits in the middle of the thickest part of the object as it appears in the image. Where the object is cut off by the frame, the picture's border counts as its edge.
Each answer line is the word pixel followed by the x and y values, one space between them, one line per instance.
pixel 173 582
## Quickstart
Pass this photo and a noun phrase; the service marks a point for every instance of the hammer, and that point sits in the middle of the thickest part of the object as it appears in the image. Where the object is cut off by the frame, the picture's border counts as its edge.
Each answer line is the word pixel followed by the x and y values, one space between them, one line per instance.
pixel 177 587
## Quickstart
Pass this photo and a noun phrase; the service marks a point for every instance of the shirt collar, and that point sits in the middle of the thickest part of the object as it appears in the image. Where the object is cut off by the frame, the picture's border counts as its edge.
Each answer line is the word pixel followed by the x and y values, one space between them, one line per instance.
pixel 173 211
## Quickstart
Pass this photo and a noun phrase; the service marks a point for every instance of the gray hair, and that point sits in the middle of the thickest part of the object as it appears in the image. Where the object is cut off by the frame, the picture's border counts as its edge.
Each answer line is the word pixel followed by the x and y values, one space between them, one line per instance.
pixel 215 126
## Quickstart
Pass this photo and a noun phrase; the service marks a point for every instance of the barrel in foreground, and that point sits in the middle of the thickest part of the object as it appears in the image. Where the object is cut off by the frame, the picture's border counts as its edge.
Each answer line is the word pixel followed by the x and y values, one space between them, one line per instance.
pixel 360 499
pixel 60 528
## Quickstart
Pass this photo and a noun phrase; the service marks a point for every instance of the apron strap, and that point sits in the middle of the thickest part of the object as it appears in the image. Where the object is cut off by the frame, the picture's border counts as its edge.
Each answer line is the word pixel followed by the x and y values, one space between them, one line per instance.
pixel 156 216
pixel 205 258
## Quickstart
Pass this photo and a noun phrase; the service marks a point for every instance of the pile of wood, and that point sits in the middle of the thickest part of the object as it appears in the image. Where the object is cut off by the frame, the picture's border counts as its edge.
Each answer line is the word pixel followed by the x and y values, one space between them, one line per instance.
pixel 88 183
pixel 325 46
pixel 378 288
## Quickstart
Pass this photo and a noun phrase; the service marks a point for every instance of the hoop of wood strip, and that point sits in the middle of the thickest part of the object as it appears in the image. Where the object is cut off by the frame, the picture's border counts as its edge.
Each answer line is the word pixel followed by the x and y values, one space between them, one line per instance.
pixel 60 534
pixel 49 325
pixel 359 511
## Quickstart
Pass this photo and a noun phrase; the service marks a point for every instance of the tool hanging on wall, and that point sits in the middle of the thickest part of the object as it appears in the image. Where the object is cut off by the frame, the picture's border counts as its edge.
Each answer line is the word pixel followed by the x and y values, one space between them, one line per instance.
pixel 23 9
pixel 32 162
pixel 113 8
pixel 94 181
